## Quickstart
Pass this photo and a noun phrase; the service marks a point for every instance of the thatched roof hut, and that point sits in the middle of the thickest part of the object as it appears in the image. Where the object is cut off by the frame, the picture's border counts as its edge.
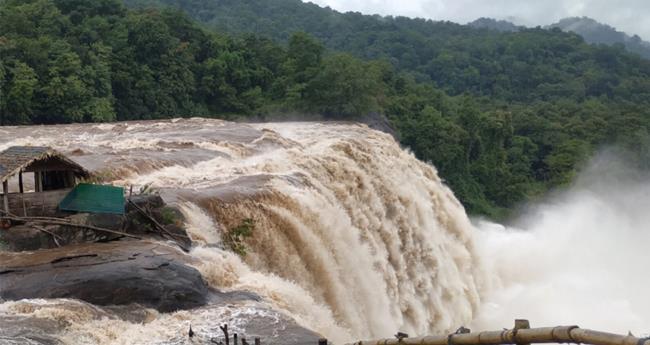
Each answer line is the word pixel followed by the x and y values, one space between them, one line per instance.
pixel 54 175
pixel 33 158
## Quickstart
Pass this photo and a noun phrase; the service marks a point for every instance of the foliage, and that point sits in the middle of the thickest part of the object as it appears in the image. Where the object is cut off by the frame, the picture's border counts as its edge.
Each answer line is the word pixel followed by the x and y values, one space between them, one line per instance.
pixel 235 237
pixel 169 216
pixel 504 116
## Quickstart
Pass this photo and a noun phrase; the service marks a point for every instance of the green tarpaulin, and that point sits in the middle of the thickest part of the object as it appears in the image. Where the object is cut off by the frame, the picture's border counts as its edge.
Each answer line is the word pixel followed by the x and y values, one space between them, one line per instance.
pixel 92 198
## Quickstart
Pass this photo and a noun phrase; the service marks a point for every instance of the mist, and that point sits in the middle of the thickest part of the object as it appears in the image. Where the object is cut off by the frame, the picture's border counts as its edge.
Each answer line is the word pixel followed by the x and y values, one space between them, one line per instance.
pixel 626 15
pixel 580 257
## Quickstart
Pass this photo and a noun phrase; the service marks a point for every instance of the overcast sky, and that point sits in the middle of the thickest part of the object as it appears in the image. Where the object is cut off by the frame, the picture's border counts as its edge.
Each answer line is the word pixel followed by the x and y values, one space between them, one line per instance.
pixel 631 16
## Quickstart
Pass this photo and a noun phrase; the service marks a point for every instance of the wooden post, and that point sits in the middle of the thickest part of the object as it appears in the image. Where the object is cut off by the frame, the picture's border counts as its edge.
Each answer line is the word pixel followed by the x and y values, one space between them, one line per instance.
pixel 37 182
pixel 224 329
pixel 243 341
pixel 20 182
pixel 5 196
pixel 258 341
pixel 234 339
pixel 22 191
pixel 322 341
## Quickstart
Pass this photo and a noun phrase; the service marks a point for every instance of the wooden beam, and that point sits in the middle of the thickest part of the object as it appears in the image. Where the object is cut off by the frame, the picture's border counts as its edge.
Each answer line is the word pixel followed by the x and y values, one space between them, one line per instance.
pixel 5 195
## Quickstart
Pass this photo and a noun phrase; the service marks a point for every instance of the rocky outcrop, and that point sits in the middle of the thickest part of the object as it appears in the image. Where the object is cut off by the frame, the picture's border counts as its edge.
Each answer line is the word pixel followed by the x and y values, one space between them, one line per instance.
pixel 146 216
pixel 152 274
pixel 29 237
pixel 379 122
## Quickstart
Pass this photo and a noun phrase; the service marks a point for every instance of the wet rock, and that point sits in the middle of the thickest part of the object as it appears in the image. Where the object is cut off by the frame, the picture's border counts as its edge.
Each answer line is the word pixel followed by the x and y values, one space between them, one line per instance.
pixel 144 201
pixel 28 330
pixel 379 122
pixel 19 238
pixel 152 274
pixel 101 220
pixel 29 237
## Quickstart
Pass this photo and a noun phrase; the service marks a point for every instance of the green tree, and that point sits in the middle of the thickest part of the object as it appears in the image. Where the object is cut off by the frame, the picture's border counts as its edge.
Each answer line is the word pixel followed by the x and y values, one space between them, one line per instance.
pixel 344 87
pixel 19 104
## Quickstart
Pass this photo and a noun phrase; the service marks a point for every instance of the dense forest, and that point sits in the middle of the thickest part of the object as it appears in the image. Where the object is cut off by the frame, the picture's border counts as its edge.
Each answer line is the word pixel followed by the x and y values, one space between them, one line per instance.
pixel 504 116
pixel 591 30
pixel 598 33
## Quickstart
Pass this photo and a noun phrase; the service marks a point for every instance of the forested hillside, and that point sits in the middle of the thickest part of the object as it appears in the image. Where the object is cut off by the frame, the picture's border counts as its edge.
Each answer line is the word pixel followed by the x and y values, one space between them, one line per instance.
pixel 76 60
pixel 598 33
pixel 504 116
pixel 493 24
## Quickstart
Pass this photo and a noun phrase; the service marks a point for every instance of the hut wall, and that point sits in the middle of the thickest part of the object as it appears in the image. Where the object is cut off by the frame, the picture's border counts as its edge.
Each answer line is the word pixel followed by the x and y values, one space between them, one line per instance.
pixel 37 204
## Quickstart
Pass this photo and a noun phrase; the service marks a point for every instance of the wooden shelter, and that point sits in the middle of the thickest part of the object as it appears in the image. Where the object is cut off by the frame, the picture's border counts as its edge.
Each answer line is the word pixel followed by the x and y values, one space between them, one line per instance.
pixel 54 176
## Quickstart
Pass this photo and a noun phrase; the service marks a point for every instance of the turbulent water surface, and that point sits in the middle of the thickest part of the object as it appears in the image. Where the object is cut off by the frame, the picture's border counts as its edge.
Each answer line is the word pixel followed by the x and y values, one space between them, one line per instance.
pixel 353 237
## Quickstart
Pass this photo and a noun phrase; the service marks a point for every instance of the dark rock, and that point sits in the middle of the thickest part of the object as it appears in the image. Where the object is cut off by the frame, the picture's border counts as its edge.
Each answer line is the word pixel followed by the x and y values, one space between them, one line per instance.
pixel 116 273
pixel 20 238
pixel 379 122
pixel 105 220
pixel 144 201
pixel 28 238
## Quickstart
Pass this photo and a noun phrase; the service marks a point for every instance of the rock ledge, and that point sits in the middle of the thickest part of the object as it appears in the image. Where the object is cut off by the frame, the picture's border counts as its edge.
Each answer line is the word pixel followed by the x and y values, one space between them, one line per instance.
pixel 152 274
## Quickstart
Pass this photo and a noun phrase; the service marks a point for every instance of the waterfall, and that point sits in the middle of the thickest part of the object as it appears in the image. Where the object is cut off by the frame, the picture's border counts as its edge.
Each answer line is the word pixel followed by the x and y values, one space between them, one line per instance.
pixel 345 220
pixel 353 236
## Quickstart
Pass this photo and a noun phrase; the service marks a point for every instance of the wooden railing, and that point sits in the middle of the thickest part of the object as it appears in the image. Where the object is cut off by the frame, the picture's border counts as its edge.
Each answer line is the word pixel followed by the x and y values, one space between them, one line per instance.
pixel 521 334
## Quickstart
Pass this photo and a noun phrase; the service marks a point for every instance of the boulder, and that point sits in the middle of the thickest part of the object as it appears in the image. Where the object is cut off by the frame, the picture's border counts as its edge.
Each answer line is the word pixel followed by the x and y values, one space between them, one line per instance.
pixel 151 274
pixel 144 201
pixel 30 237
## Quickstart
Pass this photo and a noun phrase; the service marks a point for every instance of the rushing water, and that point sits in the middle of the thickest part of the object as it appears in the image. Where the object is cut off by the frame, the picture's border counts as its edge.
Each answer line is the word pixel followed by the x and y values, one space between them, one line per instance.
pixel 353 237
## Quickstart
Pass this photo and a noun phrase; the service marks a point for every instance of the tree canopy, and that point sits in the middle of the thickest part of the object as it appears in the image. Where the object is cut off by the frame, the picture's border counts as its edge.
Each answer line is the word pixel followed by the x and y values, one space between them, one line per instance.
pixel 504 116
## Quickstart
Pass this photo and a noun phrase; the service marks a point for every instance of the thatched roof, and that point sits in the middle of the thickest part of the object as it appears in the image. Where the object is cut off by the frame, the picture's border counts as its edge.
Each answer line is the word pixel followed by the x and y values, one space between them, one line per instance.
pixel 17 158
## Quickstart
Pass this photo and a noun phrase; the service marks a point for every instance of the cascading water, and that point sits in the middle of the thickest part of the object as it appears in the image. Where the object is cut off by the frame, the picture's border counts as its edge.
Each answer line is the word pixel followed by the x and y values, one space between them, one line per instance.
pixel 353 237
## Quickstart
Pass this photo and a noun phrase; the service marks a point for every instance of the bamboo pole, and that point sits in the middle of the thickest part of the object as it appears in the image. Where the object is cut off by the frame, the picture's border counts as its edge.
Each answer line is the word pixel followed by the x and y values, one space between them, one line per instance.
pixel 560 334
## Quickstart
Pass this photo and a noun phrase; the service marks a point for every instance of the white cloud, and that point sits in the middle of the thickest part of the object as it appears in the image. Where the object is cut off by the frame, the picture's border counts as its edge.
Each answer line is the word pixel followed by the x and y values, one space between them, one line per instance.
pixel 625 15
